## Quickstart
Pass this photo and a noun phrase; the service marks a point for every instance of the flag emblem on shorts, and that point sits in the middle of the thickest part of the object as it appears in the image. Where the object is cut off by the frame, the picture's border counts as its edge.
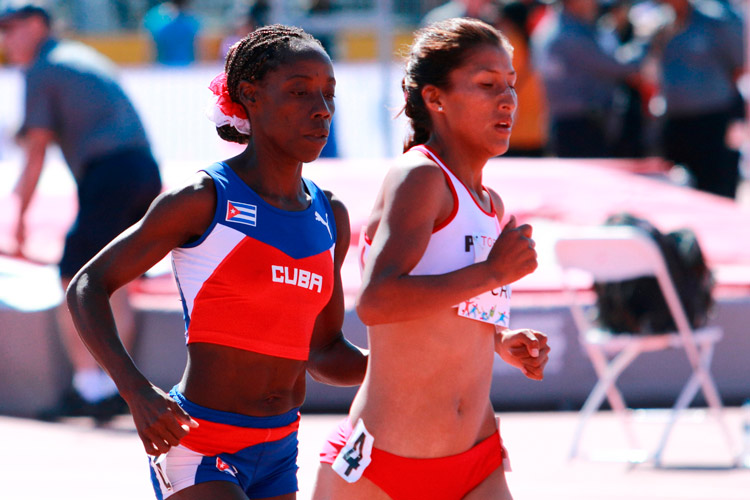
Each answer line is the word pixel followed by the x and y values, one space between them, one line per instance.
pixel 225 467
pixel 243 213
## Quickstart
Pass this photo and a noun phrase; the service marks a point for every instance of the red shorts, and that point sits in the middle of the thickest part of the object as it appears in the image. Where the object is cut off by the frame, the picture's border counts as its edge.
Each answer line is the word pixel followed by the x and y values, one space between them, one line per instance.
pixel 443 478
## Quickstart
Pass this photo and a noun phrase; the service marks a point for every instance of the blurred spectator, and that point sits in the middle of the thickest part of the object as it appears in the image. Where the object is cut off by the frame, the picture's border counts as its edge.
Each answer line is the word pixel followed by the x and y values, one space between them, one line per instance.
pixel 72 99
pixel 486 10
pixel 93 16
pixel 126 14
pixel 701 56
pixel 174 31
pixel 617 35
pixel 96 16
pixel 530 125
pixel 539 11
pixel 245 21
pixel 328 40
pixel 580 79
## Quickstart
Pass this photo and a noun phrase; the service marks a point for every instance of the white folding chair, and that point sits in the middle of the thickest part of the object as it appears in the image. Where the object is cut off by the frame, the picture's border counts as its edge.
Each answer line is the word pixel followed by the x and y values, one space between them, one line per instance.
pixel 616 253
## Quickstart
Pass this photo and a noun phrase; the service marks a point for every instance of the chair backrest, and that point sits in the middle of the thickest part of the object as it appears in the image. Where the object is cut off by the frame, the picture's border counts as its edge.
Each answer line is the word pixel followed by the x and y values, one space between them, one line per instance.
pixel 611 253
pixel 614 253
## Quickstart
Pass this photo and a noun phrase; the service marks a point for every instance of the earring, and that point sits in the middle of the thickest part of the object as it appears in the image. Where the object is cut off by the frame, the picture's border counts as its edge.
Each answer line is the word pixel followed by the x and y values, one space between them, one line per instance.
pixel 440 108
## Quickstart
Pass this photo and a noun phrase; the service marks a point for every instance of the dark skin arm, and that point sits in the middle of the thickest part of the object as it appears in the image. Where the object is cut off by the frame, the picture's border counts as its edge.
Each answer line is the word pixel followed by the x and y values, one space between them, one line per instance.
pixel 174 218
pixel 333 359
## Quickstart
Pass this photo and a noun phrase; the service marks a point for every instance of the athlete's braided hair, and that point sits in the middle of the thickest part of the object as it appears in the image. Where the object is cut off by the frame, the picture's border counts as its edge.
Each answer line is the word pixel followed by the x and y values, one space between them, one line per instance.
pixel 255 55
pixel 437 50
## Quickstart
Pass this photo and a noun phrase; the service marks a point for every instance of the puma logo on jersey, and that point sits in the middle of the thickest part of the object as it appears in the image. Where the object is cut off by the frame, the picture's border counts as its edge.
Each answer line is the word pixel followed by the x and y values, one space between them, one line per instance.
pixel 298 277
pixel 319 218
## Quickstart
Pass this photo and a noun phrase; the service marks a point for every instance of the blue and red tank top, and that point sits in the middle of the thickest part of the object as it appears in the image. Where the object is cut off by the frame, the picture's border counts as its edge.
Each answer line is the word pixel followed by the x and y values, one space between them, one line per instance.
pixel 259 276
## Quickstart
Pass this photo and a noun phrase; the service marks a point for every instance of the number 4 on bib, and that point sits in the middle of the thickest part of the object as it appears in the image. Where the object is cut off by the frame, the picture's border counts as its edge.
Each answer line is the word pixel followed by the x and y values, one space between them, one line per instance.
pixel 356 454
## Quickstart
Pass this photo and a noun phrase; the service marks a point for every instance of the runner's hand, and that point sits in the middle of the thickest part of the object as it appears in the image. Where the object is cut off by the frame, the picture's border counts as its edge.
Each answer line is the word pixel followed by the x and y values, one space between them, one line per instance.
pixel 525 349
pixel 159 420
pixel 512 256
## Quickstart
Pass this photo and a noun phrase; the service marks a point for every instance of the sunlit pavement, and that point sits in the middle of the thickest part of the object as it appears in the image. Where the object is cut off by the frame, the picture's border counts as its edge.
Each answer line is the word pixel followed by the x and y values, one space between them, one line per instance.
pixel 75 460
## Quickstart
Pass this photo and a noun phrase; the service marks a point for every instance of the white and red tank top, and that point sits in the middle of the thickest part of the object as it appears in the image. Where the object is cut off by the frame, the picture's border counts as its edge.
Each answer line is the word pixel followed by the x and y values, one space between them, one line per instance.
pixel 464 238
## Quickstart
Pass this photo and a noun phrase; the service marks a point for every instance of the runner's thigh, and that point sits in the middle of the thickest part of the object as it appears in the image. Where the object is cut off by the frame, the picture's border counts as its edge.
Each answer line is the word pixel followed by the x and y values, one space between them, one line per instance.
pixel 494 487
pixel 330 486
pixel 215 490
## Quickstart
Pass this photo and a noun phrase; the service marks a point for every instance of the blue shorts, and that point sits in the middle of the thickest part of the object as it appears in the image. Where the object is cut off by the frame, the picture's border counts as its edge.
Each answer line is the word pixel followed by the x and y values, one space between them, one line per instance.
pixel 231 447
pixel 113 194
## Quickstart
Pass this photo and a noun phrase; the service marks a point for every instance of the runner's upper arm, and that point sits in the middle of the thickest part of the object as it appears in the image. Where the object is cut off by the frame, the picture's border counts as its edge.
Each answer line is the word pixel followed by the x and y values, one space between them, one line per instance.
pixel 415 199
pixel 174 218
pixel 343 228
pixel 330 321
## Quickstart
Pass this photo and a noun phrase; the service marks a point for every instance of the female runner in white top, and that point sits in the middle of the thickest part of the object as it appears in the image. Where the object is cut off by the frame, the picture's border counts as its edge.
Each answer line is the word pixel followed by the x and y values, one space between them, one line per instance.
pixel 426 392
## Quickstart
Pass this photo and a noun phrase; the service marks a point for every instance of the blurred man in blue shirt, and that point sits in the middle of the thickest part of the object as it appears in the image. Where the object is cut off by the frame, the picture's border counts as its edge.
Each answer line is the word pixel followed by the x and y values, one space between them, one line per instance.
pixel 73 100
pixel 701 56
pixel 174 31
pixel 581 79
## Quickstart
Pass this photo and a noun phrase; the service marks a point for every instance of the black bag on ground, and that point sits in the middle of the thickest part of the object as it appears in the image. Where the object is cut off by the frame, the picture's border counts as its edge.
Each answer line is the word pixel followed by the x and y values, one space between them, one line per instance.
pixel 637 305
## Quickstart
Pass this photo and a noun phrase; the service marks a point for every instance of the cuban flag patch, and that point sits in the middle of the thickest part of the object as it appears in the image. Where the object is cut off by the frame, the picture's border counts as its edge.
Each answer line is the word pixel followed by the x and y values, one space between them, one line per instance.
pixel 242 213
pixel 225 467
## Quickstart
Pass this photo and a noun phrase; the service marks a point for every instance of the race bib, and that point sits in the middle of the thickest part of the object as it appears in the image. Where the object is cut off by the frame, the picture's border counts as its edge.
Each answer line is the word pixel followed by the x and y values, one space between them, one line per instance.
pixel 492 306
pixel 489 307
pixel 356 454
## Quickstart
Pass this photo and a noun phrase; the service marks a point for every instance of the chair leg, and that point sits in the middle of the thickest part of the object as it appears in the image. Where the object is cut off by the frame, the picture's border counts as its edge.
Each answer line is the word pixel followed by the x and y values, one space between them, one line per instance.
pixel 616 401
pixel 700 379
pixel 607 378
pixel 683 400
pixel 614 396
pixel 713 398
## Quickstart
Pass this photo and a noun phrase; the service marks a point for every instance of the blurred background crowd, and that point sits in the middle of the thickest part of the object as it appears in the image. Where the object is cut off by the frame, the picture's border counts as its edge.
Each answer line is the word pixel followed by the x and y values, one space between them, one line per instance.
pixel 597 78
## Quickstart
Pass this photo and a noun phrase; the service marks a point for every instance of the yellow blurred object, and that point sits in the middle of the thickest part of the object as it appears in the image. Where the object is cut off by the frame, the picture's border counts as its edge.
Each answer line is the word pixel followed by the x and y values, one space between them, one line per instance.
pixel 363 46
pixel 121 48
pixel 136 48
pixel 531 121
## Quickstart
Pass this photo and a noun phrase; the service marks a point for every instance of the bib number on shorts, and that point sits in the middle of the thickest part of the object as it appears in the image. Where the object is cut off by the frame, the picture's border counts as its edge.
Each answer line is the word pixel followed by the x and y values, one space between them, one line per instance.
pixel 356 454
